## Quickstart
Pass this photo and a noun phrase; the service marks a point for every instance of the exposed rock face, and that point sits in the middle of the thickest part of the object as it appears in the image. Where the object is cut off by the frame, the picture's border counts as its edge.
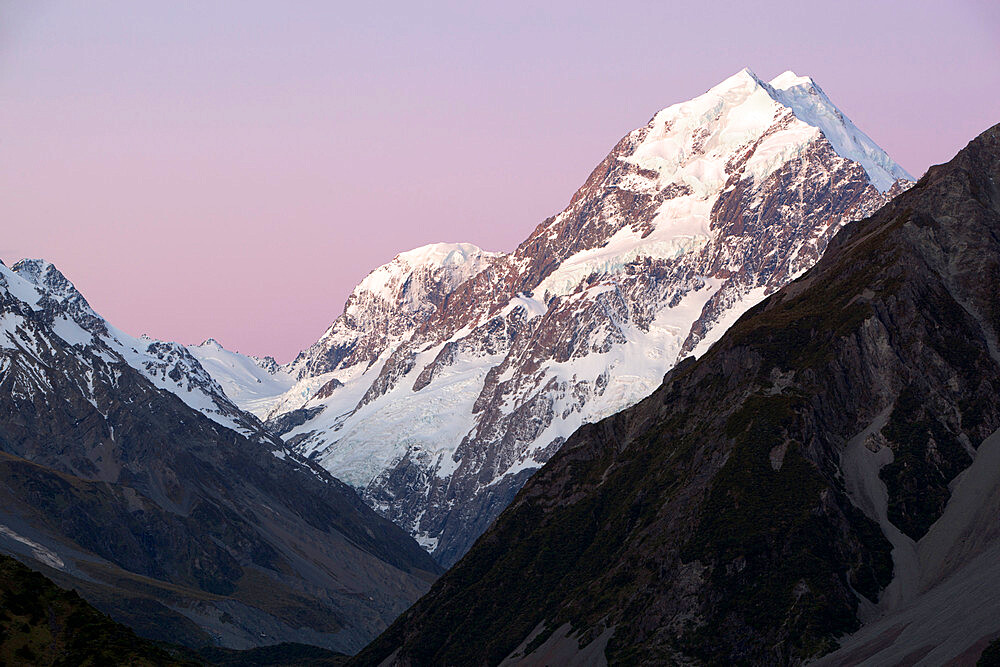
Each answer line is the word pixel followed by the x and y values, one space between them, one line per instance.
pixel 390 303
pixel 191 525
pixel 831 459
pixel 169 366
pixel 450 398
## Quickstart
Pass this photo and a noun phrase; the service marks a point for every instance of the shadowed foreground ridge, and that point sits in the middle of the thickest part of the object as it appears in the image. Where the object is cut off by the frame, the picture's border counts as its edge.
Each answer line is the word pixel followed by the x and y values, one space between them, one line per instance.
pixel 41 624
pixel 714 522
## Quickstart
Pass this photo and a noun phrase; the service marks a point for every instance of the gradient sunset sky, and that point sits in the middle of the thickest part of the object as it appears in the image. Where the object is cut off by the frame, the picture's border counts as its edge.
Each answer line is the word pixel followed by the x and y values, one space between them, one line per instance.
pixel 233 169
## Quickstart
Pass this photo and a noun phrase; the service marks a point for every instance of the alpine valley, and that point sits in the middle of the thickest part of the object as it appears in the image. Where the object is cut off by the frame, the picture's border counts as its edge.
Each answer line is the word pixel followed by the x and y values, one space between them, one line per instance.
pixel 453 374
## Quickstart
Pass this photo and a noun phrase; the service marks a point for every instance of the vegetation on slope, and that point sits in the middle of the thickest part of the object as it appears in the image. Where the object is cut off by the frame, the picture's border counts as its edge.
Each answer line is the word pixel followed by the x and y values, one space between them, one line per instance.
pixel 42 624
pixel 711 522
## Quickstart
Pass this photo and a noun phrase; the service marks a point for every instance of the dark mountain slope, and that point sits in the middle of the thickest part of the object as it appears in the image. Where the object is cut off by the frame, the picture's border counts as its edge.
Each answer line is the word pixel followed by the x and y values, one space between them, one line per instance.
pixel 40 624
pixel 718 521
pixel 174 524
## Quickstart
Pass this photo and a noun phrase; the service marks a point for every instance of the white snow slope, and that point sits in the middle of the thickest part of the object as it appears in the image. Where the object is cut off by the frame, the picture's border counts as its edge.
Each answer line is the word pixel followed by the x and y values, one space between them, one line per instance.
pixel 250 382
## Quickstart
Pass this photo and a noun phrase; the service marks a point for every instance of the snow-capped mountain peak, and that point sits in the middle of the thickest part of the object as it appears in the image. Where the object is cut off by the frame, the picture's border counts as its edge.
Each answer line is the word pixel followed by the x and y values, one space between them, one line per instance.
pixel 694 143
pixel 811 105
pixel 448 263
pixel 745 78
pixel 245 379
pixel 389 303
pixel 54 286
pixel 35 289
pixel 453 374
pixel 442 254
pixel 45 274
pixel 789 79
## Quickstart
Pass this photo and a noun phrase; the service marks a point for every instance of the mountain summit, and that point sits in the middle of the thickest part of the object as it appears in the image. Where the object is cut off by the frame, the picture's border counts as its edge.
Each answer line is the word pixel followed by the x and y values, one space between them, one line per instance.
pixel 446 384
pixel 830 466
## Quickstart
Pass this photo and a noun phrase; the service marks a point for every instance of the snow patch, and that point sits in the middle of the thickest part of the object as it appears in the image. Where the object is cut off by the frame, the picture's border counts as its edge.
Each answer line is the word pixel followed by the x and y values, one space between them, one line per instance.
pixel 71 332
pixel 38 552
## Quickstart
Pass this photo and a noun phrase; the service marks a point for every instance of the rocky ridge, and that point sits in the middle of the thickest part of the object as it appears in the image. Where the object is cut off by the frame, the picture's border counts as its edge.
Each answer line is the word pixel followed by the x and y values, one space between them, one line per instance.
pixel 824 478
pixel 440 407
pixel 127 474
pixel 169 366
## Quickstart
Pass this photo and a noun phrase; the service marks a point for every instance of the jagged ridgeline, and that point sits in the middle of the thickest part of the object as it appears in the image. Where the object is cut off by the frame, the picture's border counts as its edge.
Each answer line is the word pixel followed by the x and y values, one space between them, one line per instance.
pixel 453 373
pixel 128 475
pixel 831 465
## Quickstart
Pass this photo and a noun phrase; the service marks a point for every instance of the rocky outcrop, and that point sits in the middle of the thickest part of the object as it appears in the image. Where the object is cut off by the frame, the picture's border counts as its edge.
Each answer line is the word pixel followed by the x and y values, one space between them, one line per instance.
pixel 830 459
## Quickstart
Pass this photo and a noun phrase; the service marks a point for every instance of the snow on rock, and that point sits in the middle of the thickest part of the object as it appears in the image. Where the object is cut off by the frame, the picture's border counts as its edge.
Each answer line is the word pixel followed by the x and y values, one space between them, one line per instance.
pixel 453 373
pixel 38 286
pixel 811 105
pixel 389 303
pixel 249 382
pixel 390 282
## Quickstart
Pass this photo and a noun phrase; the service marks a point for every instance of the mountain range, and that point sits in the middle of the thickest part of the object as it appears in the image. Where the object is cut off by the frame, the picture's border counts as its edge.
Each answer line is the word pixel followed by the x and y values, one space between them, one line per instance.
pixel 127 474
pixel 824 478
pixel 732 405
pixel 453 373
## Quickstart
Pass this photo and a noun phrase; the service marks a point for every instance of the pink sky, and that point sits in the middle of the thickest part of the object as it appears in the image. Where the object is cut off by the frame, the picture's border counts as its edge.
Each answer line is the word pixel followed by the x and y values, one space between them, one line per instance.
pixel 234 169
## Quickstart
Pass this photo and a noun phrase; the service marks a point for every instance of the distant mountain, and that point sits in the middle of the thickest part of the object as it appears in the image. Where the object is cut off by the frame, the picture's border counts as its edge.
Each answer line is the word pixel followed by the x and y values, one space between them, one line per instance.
pixel 168 366
pixel 247 380
pixel 454 374
pixel 127 474
pixel 830 466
